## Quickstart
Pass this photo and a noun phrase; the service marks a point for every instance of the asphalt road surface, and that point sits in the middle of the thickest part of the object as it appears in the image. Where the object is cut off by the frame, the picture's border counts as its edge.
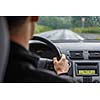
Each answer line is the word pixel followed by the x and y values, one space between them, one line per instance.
pixel 61 34
pixel 68 35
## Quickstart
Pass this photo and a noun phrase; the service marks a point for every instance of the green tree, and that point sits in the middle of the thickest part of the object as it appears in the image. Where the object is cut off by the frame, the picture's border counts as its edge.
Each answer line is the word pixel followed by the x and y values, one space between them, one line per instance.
pixel 55 22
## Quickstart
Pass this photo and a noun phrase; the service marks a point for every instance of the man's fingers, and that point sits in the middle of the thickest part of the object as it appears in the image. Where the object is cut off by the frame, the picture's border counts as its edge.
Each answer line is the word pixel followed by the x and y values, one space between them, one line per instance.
pixel 63 57
pixel 62 65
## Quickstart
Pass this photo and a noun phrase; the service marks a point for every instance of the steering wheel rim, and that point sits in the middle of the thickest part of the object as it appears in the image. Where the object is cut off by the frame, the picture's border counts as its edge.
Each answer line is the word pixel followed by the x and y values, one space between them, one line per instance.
pixel 50 44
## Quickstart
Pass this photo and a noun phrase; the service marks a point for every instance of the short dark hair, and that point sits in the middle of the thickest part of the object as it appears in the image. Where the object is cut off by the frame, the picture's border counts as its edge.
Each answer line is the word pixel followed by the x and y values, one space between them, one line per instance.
pixel 15 21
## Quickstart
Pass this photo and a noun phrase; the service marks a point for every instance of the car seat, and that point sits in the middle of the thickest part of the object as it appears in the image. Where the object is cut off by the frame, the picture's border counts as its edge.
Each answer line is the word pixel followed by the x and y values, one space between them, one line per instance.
pixel 4 46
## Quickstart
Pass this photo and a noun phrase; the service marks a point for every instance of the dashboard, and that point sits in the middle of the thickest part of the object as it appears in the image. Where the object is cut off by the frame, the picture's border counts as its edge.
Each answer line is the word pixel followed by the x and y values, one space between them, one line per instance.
pixel 84 57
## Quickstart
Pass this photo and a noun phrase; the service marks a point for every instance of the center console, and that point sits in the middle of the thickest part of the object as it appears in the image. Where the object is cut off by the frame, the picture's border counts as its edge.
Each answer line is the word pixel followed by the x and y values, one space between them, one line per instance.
pixel 86 71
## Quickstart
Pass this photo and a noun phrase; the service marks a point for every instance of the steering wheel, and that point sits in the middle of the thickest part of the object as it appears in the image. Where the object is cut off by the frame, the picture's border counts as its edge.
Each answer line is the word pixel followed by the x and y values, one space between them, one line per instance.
pixel 50 44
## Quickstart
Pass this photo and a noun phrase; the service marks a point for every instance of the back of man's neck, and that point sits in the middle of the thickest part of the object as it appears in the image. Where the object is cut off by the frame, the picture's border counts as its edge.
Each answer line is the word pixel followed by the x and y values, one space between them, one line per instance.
pixel 23 41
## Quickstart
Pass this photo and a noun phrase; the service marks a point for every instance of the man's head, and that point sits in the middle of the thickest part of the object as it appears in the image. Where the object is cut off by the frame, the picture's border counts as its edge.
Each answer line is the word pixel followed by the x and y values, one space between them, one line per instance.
pixel 21 28
pixel 16 22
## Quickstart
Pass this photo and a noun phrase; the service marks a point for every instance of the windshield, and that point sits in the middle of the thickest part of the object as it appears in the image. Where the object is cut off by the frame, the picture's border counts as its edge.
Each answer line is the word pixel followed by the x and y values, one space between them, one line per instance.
pixel 69 27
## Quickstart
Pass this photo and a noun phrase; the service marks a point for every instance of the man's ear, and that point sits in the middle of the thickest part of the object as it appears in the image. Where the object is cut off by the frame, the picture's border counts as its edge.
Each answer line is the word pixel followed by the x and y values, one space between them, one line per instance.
pixel 34 18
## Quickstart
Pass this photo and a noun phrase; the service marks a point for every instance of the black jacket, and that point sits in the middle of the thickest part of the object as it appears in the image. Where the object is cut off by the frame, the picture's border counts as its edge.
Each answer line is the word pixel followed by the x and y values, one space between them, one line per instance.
pixel 23 67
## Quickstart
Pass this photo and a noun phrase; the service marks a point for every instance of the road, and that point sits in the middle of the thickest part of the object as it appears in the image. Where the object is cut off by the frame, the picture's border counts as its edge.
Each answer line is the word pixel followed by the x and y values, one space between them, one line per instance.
pixel 61 34
pixel 68 35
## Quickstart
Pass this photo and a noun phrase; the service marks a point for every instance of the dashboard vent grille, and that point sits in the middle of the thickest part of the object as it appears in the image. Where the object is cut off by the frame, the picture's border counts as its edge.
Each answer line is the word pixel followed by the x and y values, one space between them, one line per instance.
pixel 94 55
pixel 76 55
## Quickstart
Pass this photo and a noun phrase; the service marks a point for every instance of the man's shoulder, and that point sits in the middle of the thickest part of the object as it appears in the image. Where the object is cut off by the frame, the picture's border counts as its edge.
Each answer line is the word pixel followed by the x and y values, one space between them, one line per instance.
pixel 22 55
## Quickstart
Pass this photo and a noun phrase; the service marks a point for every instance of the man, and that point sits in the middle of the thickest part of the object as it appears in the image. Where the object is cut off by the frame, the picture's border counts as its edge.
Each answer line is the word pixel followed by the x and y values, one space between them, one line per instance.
pixel 22 65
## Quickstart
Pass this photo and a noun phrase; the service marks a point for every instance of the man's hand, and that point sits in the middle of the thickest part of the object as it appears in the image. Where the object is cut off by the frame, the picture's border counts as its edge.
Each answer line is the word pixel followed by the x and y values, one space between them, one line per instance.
pixel 61 66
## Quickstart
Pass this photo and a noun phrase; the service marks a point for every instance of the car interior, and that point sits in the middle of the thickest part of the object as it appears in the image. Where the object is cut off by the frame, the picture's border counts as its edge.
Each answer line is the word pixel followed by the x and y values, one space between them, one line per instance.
pixel 83 55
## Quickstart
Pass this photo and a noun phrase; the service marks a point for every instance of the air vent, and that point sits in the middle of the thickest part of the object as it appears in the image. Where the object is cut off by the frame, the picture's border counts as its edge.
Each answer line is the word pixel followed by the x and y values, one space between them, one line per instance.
pixel 94 55
pixel 76 55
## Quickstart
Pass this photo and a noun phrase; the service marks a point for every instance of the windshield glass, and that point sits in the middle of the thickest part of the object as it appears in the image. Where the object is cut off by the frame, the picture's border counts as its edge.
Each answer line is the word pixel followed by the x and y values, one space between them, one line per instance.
pixel 69 27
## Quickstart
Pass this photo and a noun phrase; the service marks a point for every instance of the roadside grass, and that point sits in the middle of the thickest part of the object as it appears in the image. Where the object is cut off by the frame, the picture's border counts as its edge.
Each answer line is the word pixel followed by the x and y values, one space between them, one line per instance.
pixel 94 30
pixel 41 28
pixel 97 38
pixel 87 30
